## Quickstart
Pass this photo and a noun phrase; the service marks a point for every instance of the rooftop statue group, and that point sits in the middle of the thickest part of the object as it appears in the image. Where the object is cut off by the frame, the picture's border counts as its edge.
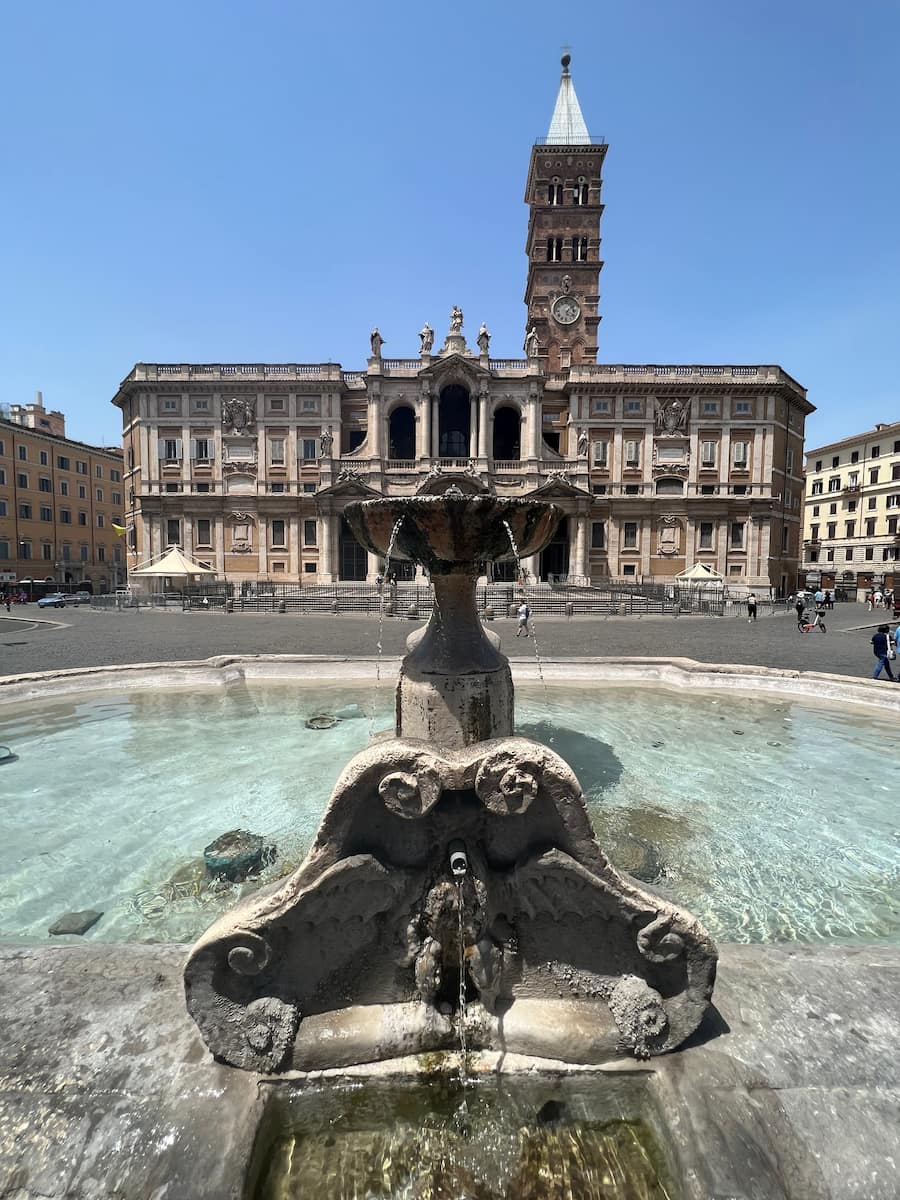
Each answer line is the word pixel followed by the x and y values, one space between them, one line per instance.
pixel 426 337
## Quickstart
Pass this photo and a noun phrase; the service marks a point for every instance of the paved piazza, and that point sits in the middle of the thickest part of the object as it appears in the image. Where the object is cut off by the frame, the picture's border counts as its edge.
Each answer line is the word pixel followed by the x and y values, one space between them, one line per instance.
pixel 87 638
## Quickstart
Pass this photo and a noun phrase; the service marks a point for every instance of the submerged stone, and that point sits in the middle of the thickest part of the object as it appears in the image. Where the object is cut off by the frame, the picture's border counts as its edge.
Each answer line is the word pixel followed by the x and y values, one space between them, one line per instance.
pixel 349 712
pixel 75 922
pixel 237 854
pixel 322 721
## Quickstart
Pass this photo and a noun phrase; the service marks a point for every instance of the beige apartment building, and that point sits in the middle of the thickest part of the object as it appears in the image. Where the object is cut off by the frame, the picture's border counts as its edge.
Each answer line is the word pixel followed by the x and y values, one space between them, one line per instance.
pixel 850 513
pixel 59 500
pixel 249 466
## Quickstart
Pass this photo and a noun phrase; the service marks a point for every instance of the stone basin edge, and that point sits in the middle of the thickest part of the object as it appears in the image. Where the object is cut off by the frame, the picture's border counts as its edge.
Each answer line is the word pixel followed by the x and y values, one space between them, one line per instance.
pixel 221 671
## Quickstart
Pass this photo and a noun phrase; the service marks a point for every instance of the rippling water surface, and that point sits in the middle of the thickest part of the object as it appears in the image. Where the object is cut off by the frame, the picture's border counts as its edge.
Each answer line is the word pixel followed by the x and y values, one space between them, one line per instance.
pixel 772 820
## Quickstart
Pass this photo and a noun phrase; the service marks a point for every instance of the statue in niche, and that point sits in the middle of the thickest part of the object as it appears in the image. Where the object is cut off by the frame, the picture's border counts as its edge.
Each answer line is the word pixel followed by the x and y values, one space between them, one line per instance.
pixel 566 283
pixel 483 339
pixel 456 319
pixel 671 417
pixel 582 443
pixel 238 415
pixel 530 345
pixel 325 443
pixel 426 337
pixel 376 341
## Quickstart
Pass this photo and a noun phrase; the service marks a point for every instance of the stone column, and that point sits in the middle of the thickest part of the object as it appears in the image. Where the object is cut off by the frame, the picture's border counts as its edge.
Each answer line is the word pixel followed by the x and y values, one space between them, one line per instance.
pixel 425 425
pixel 373 564
pixel 295 524
pixel 262 534
pixel 484 401
pixel 325 548
pixel 219 535
pixel 373 421
pixel 581 557
pixel 435 427
pixel 532 565
pixel 473 426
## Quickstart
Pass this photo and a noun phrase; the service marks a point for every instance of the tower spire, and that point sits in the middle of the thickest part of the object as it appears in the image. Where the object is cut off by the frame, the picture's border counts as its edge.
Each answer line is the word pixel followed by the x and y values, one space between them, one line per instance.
pixel 567 125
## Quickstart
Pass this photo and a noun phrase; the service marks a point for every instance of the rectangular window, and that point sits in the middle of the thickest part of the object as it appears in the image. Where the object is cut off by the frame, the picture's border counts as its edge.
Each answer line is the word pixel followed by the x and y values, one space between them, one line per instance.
pixel 893 501
pixel 46 513
pixel 709 408
pixel 854 457
pixel 706 535
pixel 832 529
pixel 23 454
pixel 634 408
pixel 709 453
pixel 817 487
pixel 99 494
pixel 870 553
pixel 789 460
pixel 834 484
pixel 170 449
pixel 629 569
pixel 82 518
pixel 851 506
pixel 632 453
pixel 276 487
pixel 870 527
pixel 309 449
pixel 785 539
pixel 876 450
pixel 598 535
pixel 200 403
pixel 81 468
pixel 848 554
pixel 276 452
pixel 46 551
pixel 832 509
pixel 815 510
pixel 630 532
pixel 202 449
pixel 276 403
pixel 309 533
pixel 4 546
pixel 116 497
pixel 24 549
pixel 849 529
pixel 600 406
pixel 101 521
pixel 170 404
pixel 740 452
pixel 45 484
pixel 82 492
pixel 2 475
pixel 278 532
pixel 4 509
pixel 892 524
pixel 814 532
pixel 204 532
pixel 600 454
pixel 173 532
pixel 737 535
pixel 309 404
pixel 25 512
pixel 813 556
pixel 98 471
pixel 83 554
pixel 63 487
pixel 835 462
pixel 62 463
pixel 872 502
pixel 743 408
pixel 21 479
pixel 115 476
pixel 101 554
pixel 818 464
pixel 873 474
pixel 309 487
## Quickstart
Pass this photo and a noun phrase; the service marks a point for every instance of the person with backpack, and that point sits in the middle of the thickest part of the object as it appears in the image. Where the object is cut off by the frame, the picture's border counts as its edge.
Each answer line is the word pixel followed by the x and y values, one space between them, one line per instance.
pixel 751 608
pixel 884 650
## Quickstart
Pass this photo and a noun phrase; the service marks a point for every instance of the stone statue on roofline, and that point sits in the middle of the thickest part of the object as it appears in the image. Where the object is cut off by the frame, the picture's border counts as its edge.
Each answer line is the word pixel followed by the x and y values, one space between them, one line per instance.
pixel 456 319
pixel 531 346
pixel 426 337
pixel 483 339
pixel 376 341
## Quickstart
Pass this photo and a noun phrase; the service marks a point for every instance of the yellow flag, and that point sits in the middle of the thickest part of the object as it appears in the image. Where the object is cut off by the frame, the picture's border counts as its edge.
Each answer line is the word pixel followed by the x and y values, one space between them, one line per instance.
pixel 119 529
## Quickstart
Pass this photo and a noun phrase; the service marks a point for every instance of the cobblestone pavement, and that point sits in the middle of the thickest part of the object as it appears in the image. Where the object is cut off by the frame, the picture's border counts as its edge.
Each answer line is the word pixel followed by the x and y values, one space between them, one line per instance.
pixel 84 637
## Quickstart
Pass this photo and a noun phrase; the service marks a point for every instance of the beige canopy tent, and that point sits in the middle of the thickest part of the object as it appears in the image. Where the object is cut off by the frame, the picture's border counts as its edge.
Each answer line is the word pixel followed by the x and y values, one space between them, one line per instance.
pixel 173 563
pixel 699 573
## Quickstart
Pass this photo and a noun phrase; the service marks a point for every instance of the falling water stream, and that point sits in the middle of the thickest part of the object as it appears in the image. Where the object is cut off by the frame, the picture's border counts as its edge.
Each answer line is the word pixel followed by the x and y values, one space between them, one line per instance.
pixel 533 634
pixel 462 985
pixel 380 645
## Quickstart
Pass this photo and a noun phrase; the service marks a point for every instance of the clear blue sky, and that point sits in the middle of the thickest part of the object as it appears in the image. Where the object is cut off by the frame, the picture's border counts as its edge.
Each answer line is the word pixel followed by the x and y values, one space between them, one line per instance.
pixel 266 181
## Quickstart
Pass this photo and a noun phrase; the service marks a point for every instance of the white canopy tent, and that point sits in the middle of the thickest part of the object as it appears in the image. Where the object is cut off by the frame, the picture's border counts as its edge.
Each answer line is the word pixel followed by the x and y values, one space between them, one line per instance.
pixel 700 573
pixel 174 564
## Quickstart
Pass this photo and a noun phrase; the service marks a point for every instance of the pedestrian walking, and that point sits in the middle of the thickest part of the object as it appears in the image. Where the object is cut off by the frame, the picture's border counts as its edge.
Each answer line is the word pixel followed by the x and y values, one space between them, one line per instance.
pixel 751 608
pixel 897 639
pixel 8 601
pixel 819 598
pixel 829 598
pixel 883 647
pixel 522 615
pixel 800 605
pixel 870 600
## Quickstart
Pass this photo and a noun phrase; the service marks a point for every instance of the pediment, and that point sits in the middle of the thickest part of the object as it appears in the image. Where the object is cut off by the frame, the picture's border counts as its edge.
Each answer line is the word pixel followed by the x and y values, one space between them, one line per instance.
pixel 349 489
pixel 558 489
pixel 453 369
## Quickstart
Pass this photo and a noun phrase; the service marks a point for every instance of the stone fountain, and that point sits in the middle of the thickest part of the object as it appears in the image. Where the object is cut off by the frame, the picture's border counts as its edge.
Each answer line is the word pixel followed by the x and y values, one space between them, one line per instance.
pixel 454 892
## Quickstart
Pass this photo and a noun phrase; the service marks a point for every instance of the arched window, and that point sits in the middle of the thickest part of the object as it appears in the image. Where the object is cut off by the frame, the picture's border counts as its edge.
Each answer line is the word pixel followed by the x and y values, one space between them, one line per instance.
pixel 670 486
pixel 554 249
pixel 454 417
pixel 507 440
pixel 402 433
pixel 579 249
pixel 555 190
pixel 580 192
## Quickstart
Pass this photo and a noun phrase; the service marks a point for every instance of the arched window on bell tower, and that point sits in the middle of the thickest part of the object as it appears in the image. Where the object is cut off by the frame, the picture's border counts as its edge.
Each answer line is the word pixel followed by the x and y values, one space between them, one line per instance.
pixel 555 191
pixel 580 191
pixel 554 249
pixel 579 249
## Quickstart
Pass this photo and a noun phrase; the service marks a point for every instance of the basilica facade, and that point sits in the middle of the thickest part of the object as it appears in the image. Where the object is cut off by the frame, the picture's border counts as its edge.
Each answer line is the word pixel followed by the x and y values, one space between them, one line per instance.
pixel 248 466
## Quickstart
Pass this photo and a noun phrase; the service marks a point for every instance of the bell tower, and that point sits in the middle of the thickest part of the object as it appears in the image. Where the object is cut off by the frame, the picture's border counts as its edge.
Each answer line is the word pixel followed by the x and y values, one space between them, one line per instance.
pixel 563 197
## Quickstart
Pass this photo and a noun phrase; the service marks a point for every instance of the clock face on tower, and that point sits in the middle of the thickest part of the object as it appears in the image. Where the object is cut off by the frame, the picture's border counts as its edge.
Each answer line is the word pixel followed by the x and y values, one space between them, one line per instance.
pixel 566 310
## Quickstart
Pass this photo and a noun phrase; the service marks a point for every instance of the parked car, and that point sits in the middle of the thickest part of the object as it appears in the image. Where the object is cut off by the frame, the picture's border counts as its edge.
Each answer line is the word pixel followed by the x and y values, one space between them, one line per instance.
pixel 52 600
pixel 80 598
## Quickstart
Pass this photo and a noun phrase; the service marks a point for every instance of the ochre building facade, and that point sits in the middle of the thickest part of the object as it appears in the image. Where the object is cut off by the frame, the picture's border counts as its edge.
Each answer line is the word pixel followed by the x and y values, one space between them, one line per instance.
pixel 248 466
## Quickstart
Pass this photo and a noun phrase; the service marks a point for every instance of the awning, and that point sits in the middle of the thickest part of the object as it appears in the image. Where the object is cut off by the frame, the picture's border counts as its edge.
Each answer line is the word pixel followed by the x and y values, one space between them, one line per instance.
pixel 173 563
pixel 700 573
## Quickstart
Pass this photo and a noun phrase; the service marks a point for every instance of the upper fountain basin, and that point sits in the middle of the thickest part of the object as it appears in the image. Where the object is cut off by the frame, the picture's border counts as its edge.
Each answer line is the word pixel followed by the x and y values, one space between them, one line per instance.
pixel 449 532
